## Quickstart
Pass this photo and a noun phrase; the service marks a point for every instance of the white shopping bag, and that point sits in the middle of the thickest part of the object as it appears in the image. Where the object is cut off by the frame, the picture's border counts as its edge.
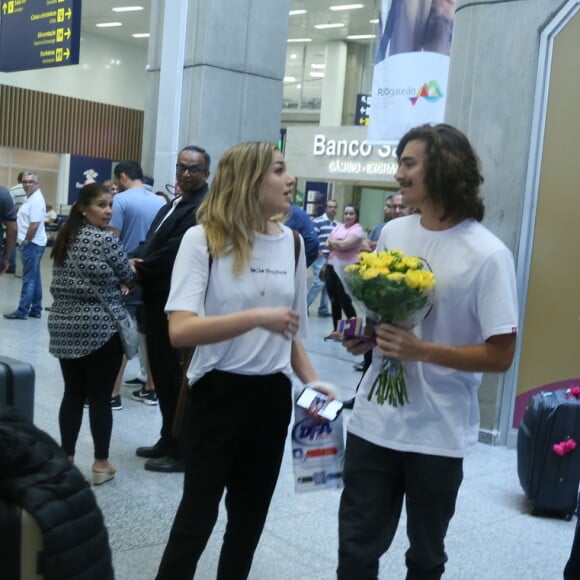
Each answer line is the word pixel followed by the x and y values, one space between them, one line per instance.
pixel 317 452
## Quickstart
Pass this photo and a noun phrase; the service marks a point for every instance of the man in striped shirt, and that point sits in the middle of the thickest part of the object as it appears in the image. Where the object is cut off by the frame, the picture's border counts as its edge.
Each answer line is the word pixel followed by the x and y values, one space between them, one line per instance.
pixel 323 225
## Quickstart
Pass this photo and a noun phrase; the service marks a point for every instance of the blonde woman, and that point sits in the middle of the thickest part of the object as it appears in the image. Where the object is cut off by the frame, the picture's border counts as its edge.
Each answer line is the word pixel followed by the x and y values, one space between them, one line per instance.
pixel 245 311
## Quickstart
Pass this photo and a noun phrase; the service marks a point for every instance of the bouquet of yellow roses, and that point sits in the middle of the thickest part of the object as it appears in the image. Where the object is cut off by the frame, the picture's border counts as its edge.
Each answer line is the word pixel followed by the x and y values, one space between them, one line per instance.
pixel 396 289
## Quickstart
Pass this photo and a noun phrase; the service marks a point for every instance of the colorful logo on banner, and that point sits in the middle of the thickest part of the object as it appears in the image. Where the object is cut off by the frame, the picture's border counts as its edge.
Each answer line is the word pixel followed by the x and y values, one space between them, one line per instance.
pixel 429 91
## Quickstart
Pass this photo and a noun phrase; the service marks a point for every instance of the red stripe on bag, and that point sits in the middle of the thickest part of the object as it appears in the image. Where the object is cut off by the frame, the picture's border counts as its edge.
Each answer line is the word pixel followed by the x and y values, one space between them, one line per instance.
pixel 322 452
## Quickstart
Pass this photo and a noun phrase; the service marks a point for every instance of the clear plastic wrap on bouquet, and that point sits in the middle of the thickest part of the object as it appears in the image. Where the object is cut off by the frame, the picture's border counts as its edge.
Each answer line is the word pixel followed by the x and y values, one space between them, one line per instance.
pixel 393 288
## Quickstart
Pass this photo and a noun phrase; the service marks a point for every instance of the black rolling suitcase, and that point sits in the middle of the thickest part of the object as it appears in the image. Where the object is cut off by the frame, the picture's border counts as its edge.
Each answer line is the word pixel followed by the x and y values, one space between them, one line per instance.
pixel 549 452
pixel 17 385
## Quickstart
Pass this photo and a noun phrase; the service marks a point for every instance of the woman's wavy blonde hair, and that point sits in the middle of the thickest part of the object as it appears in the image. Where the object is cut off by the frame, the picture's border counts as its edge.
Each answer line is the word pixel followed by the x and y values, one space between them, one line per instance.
pixel 231 213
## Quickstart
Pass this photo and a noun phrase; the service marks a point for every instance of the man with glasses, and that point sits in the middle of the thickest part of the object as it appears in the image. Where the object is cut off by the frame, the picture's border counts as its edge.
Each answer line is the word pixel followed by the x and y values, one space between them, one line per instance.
pixel 323 225
pixel 153 263
pixel 31 239
pixel 394 208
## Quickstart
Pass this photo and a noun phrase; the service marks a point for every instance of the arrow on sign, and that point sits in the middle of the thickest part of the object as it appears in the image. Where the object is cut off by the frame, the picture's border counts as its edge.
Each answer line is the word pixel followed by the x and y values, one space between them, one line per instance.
pixel 68 13
pixel 66 53
pixel 67 33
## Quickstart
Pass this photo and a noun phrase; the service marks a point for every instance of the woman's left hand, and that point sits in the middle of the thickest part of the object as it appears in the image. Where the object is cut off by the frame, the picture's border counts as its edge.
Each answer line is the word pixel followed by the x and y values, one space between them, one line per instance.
pixel 125 290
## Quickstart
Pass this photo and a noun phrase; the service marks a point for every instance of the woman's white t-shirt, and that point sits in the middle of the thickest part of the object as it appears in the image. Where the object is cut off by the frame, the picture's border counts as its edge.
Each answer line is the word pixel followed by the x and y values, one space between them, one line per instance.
pixel 271 279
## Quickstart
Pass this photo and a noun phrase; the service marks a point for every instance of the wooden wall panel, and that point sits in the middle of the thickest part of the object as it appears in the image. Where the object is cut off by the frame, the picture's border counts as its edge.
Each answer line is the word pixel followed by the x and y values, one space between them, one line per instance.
pixel 39 121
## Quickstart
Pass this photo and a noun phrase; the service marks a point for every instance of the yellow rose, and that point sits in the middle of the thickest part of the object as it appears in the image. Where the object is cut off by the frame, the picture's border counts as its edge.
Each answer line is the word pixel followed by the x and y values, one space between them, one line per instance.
pixel 412 263
pixel 427 279
pixel 352 268
pixel 370 273
pixel 395 277
pixel 367 258
pixel 384 259
pixel 413 279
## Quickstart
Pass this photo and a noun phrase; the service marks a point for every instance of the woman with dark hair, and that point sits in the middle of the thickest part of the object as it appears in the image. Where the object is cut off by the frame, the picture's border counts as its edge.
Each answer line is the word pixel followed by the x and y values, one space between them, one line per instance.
pixel 344 243
pixel 91 271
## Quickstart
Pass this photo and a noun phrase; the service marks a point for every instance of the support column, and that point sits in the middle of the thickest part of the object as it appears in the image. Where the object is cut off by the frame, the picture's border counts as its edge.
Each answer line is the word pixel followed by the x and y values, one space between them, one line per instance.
pixel 490 96
pixel 234 61
pixel 170 91
pixel 333 85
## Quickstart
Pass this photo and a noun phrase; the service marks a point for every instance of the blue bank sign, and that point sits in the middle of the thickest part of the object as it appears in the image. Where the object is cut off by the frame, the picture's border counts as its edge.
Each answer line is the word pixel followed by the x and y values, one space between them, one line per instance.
pixel 39 34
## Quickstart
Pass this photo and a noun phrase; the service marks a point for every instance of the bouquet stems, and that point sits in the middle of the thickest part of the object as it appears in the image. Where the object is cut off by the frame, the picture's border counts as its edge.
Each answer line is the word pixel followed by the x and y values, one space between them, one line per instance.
pixel 390 385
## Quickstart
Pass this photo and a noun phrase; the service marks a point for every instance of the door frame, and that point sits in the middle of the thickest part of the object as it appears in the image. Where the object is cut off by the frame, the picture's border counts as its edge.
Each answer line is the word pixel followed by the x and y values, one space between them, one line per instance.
pixel 524 258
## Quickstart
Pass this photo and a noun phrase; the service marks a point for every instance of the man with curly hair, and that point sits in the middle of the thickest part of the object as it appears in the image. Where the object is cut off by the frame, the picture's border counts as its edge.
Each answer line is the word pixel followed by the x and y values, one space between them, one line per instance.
pixel 415 451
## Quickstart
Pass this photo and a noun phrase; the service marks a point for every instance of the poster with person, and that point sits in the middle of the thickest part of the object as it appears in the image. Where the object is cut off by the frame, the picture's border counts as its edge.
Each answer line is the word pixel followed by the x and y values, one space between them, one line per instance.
pixel 411 66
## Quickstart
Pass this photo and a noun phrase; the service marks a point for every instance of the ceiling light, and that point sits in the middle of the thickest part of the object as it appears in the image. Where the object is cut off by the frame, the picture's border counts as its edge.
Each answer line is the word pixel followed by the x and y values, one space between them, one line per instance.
pixel 361 36
pixel 374 20
pixel 128 9
pixel 296 12
pixel 298 86
pixel 108 24
pixel 326 26
pixel 318 66
pixel 346 7
pixel 317 75
pixel 293 55
pixel 141 35
pixel 289 79
pixel 299 40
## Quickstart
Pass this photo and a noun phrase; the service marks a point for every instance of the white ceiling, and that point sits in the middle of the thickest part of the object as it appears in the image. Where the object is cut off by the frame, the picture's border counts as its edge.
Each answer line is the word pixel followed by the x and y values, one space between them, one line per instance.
pixel 300 56
pixel 300 26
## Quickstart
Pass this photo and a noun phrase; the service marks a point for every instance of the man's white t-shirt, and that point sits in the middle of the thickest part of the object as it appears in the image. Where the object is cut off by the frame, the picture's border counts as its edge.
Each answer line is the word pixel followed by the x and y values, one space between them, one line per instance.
pixel 32 210
pixel 475 298
pixel 271 271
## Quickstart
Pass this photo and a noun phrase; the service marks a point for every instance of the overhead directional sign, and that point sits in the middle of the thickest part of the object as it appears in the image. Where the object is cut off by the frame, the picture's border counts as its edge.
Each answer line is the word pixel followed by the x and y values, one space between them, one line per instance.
pixel 39 34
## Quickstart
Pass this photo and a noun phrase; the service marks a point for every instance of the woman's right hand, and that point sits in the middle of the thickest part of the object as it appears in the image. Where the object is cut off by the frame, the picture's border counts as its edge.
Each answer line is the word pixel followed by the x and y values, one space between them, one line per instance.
pixel 280 320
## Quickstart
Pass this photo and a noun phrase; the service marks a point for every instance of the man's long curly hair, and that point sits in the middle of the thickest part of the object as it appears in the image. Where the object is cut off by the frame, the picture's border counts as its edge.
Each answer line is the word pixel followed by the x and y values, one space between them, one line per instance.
pixel 453 171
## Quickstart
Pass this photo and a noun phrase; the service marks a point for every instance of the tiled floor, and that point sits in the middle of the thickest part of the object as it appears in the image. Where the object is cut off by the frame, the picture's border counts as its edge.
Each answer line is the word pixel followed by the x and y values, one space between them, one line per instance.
pixel 492 537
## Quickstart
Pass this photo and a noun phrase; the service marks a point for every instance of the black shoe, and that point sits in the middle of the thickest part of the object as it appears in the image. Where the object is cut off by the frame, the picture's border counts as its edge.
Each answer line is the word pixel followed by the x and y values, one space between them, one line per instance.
pixel 15 316
pixel 165 464
pixel 154 452
pixel 11 270
pixel 35 315
pixel 359 366
pixel 136 381
pixel 348 404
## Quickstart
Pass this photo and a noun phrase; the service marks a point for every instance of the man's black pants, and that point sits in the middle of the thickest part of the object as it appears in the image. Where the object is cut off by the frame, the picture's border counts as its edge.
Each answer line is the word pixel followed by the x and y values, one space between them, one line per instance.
pixel 165 364
pixel 375 481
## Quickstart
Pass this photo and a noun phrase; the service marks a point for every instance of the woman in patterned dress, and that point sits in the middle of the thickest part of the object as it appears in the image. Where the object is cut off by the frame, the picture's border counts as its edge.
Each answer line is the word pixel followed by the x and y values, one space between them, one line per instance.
pixel 83 336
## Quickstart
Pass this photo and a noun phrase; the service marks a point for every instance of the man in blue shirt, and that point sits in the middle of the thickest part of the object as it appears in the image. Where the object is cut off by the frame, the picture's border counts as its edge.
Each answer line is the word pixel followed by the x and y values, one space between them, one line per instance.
pixel 134 209
pixel 394 208
pixel 299 220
